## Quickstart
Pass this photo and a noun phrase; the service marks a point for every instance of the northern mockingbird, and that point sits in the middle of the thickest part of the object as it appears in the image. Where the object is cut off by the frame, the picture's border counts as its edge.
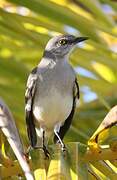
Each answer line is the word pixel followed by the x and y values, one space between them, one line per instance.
pixel 51 93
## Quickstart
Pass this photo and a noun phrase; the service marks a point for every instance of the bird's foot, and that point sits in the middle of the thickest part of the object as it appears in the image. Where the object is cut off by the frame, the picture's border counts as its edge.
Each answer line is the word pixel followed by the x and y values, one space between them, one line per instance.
pixel 63 148
pixel 28 151
pixel 46 152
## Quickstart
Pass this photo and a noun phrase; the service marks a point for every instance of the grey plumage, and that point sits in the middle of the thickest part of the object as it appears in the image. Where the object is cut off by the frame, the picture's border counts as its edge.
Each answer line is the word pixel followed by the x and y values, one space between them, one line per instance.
pixel 51 92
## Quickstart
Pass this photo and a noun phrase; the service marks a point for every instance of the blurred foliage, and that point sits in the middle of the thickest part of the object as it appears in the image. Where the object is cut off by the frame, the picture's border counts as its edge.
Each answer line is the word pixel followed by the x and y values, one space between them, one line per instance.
pixel 26 26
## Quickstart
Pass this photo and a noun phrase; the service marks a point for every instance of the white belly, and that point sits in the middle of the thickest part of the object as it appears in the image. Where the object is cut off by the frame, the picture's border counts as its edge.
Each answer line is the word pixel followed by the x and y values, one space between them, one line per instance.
pixel 52 109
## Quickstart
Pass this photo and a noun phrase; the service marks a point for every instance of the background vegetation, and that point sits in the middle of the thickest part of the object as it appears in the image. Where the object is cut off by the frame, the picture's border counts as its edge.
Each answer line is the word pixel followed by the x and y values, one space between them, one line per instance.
pixel 26 26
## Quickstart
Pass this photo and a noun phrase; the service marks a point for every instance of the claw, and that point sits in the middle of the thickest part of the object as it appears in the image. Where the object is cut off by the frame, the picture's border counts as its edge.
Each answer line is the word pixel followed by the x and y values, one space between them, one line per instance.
pixel 46 152
pixel 63 147
pixel 64 150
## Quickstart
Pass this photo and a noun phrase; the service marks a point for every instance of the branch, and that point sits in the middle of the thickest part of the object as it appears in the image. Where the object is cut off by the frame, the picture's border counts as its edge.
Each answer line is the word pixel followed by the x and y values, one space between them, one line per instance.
pixel 89 156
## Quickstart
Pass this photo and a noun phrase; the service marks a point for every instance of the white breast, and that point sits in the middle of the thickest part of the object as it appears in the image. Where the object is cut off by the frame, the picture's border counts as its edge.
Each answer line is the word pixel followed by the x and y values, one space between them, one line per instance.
pixel 52 109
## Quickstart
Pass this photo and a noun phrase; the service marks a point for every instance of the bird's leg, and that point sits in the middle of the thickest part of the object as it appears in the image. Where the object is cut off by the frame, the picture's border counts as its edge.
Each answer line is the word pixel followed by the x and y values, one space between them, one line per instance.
pixel 43 146
pixel 60 141
pixel 46 152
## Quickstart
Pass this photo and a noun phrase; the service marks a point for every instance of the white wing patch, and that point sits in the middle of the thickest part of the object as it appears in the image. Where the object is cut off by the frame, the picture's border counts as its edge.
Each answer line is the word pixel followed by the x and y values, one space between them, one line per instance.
pixel 30 90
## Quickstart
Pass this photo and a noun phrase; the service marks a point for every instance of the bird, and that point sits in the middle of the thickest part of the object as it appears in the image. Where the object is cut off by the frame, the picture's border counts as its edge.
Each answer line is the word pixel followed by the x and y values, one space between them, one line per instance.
pixel 51 93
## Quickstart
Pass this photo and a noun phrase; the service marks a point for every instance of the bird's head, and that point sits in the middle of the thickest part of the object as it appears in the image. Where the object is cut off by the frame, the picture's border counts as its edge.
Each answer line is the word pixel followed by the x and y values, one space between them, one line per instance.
pixel 63 44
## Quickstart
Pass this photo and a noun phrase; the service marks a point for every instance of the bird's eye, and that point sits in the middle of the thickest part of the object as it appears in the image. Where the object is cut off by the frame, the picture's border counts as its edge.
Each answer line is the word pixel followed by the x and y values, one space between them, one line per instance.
pixel 63 42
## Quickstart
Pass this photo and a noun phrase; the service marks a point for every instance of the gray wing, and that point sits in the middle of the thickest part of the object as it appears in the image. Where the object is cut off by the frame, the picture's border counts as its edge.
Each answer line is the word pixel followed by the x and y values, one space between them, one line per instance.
pixel 29 97
pixel 68 121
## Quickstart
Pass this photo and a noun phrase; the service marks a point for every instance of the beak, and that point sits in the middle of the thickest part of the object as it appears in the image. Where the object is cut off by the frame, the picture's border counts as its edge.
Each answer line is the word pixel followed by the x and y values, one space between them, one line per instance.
pixel 79 39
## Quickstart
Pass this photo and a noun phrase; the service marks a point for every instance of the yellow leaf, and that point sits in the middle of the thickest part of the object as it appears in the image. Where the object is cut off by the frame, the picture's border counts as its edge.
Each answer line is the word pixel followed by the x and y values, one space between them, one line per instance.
pixel 104 71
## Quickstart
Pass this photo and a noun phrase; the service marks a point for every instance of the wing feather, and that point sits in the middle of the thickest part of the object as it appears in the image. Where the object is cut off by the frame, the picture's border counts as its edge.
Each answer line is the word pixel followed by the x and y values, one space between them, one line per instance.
pixel 29 97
